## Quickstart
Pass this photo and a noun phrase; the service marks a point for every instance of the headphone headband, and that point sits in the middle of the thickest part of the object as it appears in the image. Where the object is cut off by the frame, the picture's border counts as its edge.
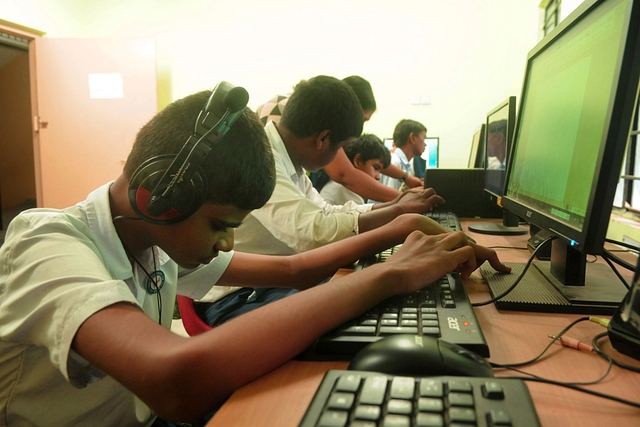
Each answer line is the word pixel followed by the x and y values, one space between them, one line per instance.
pixel 157 191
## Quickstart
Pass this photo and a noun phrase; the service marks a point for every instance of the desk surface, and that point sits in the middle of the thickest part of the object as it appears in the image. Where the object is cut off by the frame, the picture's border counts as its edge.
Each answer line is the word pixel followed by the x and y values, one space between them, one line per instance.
pixel 281 397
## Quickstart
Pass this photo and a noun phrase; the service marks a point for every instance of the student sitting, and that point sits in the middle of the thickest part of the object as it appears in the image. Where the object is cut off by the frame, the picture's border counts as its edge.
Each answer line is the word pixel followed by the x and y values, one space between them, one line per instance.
pixel 341 170
pixel 408 138
pixel 87 292
pixel 367 154
pixel 322 116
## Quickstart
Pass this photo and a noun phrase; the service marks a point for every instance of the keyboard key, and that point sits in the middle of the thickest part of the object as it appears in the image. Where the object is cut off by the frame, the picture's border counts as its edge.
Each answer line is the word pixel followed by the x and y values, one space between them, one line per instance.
pixel 341 400
pixel 431 388
pixel 429 420
pixel 492 390
pixel 397 406
pixel 498 417
pixel 396 421
pixel 461 415
pixel 367 412
pixel 460 399
pixel 402 388
pixel 373 390
pixel 429 404
pixel 391 330
pixel 334 419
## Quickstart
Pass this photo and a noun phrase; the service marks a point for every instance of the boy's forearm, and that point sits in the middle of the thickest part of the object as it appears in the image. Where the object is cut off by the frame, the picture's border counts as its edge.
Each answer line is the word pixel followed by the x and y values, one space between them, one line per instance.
pixel 378 217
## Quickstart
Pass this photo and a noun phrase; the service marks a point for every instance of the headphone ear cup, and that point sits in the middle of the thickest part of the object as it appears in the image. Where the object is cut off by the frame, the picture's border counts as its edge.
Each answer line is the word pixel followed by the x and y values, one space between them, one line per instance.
pixel 192 193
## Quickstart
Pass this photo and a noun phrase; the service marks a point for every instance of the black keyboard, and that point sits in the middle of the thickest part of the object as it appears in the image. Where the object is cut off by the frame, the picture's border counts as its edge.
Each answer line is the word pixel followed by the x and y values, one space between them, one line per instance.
pixel 447 219
pixel 441 310
pixel 363 399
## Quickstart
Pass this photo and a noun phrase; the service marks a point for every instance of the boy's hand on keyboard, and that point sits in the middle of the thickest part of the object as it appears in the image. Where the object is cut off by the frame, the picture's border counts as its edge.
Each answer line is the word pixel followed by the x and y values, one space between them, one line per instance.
pixel 419 201
pixel 485 254
pixel 424 259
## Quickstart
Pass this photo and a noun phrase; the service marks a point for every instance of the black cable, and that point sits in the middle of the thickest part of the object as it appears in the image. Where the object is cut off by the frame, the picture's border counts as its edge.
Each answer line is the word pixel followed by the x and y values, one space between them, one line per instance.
pixel 601 353
pixel 618 260
pixel 624 244
pixel 155 268
pixel 577 388
pixel 519 278
pixel 615 270
pixel 538 357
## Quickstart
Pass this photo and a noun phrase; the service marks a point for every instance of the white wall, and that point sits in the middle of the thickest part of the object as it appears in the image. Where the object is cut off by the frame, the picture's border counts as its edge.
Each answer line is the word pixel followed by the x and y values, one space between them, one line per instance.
pixel 464 56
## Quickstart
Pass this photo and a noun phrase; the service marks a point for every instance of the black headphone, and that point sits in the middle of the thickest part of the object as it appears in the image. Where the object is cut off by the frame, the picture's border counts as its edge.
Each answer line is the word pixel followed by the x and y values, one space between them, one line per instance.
pixel 169 188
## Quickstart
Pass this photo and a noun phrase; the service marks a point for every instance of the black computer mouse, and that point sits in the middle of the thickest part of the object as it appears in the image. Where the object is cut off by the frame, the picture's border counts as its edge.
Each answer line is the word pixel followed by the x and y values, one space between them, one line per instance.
pixel 416 355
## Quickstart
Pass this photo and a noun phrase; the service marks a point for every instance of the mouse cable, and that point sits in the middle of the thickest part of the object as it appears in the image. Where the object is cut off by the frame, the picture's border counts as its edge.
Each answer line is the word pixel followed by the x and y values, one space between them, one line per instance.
pixel 539 356
pixel 601 353
pixel 518 279
pixel 578 388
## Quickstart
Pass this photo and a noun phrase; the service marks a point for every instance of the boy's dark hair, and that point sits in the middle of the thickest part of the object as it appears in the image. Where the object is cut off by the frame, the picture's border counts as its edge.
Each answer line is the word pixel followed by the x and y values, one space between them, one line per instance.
pixel 363 91
pixel 323 103
pixel 240 170
pixel 369 147
pixel 404 128
pixel 499 126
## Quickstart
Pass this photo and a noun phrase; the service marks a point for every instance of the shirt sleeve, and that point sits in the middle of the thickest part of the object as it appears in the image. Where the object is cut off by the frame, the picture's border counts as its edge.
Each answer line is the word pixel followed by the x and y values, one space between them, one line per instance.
pixel 200 282
pixel 52 279
pixel 302 220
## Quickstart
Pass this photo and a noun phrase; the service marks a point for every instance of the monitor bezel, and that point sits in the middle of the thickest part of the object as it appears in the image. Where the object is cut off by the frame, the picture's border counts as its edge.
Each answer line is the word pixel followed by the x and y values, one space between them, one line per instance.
pixel 590 239
pixel 510 103
pixel 476 154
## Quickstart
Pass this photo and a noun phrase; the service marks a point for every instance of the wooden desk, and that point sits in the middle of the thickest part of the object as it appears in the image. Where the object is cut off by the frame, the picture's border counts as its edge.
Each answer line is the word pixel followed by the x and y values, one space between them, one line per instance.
pixel 281 397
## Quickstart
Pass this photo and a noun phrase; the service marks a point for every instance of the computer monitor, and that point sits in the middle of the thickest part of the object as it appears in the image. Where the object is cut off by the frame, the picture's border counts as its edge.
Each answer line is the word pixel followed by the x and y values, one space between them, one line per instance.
pixel 476 155
pixel 429 158
pixel 498 137
pixel 432 152
pixel 577 103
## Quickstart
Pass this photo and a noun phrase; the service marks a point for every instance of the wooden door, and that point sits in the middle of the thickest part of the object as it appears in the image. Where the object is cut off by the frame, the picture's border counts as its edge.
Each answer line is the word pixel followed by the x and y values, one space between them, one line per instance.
pixel 93 95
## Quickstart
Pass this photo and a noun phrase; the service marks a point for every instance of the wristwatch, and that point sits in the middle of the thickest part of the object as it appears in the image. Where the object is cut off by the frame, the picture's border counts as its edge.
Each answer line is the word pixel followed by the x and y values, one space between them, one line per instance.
pixel 405 176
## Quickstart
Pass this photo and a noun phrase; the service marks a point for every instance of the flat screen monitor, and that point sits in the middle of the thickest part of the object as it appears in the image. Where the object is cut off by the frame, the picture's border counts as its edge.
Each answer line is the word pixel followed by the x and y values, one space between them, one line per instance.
pixel 500 123
pixel 576 108
pixel 476 156
pixel 388 142
pixel 431 153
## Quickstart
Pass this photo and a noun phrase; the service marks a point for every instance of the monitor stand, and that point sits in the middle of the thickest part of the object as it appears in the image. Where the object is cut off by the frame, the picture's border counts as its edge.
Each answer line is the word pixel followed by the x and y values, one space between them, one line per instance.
pixel 593 287
pixel 510 226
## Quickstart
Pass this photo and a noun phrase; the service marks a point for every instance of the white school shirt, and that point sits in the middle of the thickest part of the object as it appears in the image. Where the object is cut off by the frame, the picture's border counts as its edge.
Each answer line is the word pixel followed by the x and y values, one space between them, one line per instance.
pixel 57 268
pixel 399 159
pixel 336 193
pixel 296 218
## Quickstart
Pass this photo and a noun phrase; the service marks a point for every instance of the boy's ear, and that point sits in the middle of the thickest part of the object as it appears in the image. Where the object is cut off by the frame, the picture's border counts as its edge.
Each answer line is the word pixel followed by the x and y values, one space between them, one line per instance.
pixel 323 139
pixel 357 160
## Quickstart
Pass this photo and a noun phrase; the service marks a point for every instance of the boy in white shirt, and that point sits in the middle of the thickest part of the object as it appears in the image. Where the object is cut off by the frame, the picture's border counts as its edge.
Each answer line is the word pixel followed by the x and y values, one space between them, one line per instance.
pixel 368 154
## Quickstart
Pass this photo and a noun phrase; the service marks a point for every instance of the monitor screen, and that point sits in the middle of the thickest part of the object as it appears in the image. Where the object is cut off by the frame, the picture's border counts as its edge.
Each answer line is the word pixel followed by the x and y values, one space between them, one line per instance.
pixel 498 137
pixel 431 152
pixel 575 113
pixel 499 133
pixel 476 156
